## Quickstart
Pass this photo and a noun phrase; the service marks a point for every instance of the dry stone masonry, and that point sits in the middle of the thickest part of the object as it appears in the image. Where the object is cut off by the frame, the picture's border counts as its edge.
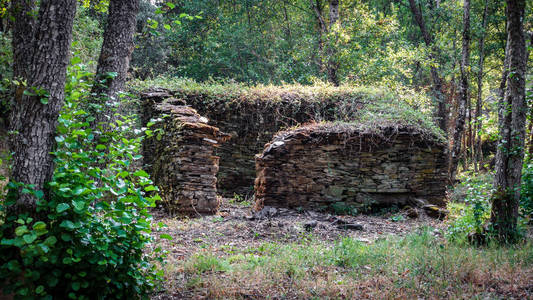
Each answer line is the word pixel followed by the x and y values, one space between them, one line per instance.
pixel 346 166
pixel 252 120
pixel 325 165
pixel 183 163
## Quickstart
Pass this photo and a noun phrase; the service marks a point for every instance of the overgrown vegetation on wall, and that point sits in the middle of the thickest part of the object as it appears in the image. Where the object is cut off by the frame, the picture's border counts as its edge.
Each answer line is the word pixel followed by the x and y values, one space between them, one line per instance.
pixel 253 114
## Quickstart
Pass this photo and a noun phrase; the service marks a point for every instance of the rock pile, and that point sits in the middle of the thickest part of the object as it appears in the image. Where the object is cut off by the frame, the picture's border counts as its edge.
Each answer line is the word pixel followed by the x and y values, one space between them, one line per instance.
pixel 184 165
pixel 346 167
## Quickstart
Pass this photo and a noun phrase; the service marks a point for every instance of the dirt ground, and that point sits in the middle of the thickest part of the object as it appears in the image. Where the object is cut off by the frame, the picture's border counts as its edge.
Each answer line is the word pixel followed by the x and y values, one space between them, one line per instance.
pixel 238 227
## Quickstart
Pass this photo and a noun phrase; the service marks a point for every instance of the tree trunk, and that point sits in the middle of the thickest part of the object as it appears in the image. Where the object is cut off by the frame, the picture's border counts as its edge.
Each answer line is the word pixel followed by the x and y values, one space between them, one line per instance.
pixel 23 24
pixel 438 91
pixel 115 55
pixel 333 65
pixel 317 7
pixel 513 107
pixel 34 116
pixel 463 99
pixel 479 104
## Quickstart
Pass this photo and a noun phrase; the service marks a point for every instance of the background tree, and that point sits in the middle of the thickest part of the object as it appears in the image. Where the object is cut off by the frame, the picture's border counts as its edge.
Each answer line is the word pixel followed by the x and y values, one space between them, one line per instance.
pixel 35 112
pixel 463 99
pixel 438 91
pixel 114 60
pixel 513 109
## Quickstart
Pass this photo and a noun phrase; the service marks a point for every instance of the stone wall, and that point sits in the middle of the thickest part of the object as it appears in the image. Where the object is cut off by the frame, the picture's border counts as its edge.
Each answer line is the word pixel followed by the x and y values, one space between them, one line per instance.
pixel 183 163
pixel 323 166
pixel 252 121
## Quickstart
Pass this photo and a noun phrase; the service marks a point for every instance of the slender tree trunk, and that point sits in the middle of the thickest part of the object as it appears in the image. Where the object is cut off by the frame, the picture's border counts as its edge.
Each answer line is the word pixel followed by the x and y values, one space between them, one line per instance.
pixel 438 91
pixel 317 7
pixel 34 117
pixel 463 99
pixel 115 55
pixel 470 148
pixel 332 64
pixel 513 107
pixel 530 149
pixel 479 104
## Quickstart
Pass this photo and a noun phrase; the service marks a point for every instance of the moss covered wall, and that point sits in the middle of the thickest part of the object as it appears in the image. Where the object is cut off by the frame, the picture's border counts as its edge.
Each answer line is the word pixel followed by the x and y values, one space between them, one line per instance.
pixel 331 166
pixel 251 116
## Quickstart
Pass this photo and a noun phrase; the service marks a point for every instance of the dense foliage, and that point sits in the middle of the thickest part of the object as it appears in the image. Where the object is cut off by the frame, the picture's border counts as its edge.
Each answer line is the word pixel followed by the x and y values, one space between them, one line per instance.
pixel 88 237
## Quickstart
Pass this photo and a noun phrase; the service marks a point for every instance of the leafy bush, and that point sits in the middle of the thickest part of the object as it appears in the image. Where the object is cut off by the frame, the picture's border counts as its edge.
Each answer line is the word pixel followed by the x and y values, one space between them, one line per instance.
pixel 526 192
pixel 87 239
pixel 474 192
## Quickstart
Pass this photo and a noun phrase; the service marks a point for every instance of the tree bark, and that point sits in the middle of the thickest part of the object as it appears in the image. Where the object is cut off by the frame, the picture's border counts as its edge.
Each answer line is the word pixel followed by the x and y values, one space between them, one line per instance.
pixel 317 7
pixel 115 56
pixel 513 107
pixel 478 156
pixel 332 65
pixel 438 91
pixel 23 24
pixel 32 119
pixel 463 99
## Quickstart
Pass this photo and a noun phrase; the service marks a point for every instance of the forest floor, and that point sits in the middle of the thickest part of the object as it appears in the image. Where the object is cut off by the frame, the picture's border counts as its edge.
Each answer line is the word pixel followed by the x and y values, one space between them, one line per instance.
pixel 288 254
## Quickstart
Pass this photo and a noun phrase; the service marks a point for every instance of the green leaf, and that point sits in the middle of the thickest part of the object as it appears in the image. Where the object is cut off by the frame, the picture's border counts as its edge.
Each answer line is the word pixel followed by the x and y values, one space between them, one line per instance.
pixel 44 100
pixel 79 190
pixel 78 205
pixel 19 231
pixel 50 241
pixel 52 281
pixel 39 289
pixel 61 207
pixel 166 236
pixel 75 286
pixel 39 226
pixel 167 27
pixel 29 238
pixel 141 173
pixel 67 224
pixel 66 237
pixel 150 188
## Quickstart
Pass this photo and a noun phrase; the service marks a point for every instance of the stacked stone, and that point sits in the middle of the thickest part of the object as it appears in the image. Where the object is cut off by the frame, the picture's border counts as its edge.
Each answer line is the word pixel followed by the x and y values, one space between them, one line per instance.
pixel 184 166
pixel 322 165
pixel 251 123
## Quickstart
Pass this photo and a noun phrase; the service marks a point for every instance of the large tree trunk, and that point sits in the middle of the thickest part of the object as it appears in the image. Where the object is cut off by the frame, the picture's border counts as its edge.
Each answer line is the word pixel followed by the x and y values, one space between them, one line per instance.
pixel 23 24
pixel 478 155
pixel 463 99
pixel 34 117
pixel 115 55
pixel 333 65
pixel 438 91
pixel 510 153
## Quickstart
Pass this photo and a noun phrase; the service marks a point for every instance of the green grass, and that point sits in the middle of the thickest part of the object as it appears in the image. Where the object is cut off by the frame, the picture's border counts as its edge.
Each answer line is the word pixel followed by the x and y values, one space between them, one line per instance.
pixel 419 265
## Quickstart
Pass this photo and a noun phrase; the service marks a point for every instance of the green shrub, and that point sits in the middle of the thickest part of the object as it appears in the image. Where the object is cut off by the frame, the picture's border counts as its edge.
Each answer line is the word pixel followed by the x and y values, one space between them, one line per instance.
pixel 474 192
pixel 87 239
pixel 526 192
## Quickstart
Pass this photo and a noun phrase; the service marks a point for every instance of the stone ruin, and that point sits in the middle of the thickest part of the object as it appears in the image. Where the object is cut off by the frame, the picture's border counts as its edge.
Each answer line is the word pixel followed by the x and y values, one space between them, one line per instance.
pixel 337 166
pixel 183 164
pixel 316 166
